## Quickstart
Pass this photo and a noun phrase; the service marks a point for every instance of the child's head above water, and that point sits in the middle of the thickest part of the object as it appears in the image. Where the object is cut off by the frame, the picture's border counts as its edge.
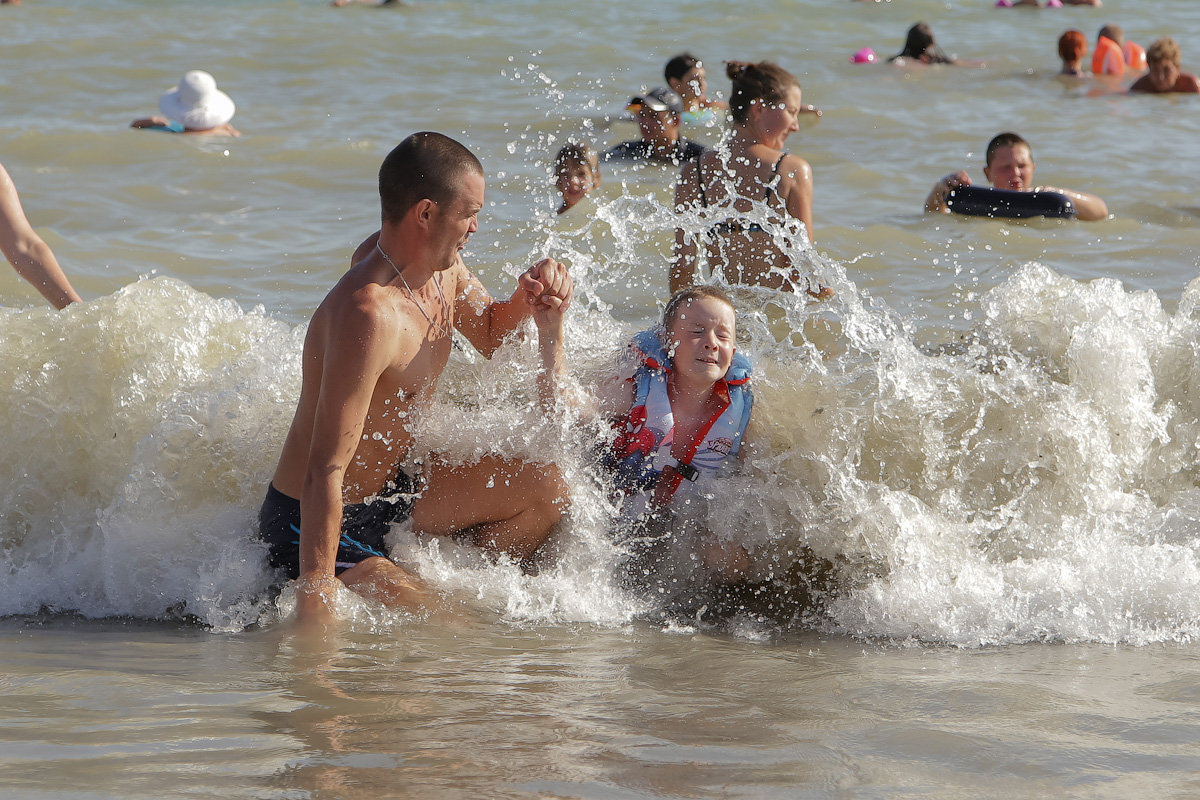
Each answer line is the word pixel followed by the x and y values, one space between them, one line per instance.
pixel 700 332
pixel 577 172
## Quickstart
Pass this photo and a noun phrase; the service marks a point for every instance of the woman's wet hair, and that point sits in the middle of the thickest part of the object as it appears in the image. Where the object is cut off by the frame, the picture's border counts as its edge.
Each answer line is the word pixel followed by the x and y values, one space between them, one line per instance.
pixel 679 66
pixel 764 81
pixel 684 296
pixel 425 166
pixel 920 42
pixel 1072 45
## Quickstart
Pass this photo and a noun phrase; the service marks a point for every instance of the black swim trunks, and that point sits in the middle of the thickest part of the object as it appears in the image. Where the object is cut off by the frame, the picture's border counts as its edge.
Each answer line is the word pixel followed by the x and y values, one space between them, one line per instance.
pixel 363 524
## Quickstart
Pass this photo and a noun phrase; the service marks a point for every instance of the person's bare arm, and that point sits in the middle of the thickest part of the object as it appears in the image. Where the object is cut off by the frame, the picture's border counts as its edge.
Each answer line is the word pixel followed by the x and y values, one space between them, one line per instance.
pixel 1088 207
pixel 936 202
pixel 150 122
pixel 356 352
pixel 486 322
pixel 29 255
pixel 683 266
pixel 798 191
pixel 552 367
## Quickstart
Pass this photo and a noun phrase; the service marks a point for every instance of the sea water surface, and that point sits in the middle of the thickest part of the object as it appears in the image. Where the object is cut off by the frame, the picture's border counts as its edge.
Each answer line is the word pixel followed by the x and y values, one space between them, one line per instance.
pixel 972 514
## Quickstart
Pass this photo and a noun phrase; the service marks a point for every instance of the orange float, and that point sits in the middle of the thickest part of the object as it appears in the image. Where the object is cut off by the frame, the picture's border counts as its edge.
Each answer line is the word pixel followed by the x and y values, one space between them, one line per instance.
pixel 1108 58
pixel 1135 56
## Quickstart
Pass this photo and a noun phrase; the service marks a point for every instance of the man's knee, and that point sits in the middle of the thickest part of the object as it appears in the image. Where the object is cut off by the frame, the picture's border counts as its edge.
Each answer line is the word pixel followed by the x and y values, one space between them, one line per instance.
pixel 552 491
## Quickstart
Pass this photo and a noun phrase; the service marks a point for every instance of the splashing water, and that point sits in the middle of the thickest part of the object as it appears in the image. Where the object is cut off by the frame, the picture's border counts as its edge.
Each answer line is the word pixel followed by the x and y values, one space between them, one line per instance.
pixel 1032 478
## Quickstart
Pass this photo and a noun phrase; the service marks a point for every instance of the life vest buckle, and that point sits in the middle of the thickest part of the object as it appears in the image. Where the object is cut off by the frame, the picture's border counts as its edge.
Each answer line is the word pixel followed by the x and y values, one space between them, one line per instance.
pixel 687 471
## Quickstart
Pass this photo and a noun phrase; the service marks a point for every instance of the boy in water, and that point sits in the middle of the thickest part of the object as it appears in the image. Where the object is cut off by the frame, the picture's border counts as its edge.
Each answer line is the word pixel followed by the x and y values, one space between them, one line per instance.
pixel 577 172
pixel 1010 166
pixel 1165 76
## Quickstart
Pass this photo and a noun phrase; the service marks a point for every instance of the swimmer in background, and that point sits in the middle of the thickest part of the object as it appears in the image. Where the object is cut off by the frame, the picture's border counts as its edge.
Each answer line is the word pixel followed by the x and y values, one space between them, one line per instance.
pixel 764 105
pixel 921 48
pixel 686 76
pixel 1046 3
pixel 195 106
pixel 1072 49
pixel 1113 54
pixel 577 172
pixel 659 116
pixel 1010 166
pixel 1165 76
pixel 28 253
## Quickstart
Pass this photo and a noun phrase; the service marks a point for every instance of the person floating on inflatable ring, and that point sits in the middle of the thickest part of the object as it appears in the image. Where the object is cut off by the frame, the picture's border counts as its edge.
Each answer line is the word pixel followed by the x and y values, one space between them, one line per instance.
pixel 1010 166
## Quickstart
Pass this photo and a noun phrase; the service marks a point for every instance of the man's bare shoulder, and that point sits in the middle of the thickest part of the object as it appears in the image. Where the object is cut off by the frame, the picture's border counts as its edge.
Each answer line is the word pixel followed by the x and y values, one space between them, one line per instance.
pixel 359 305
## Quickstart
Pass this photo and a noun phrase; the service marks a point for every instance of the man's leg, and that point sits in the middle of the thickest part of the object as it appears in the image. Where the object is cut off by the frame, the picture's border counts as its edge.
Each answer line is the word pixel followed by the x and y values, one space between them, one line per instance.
pixel 510 506
pixel 389 584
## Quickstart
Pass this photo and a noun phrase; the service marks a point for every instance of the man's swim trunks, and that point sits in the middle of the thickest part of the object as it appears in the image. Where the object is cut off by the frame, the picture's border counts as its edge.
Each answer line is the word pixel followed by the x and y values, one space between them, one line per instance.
pixel 363 524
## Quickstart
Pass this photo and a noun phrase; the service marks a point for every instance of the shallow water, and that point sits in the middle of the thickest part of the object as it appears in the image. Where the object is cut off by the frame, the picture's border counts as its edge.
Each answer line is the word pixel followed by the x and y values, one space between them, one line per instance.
pixel 558 711
pixel 982 457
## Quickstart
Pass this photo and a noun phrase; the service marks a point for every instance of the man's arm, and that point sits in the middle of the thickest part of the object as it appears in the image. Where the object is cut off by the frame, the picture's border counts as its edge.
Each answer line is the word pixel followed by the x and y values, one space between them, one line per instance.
pixel 486 322
pixel 353 357
pixel 29 255
pixel 1088 207
pixel 936 202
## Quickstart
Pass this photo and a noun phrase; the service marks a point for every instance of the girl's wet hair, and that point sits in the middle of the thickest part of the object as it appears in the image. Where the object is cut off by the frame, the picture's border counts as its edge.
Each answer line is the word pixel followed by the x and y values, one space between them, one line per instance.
pixel 684 296
pixel 764 81
pixel 920 42
pixel 1072 45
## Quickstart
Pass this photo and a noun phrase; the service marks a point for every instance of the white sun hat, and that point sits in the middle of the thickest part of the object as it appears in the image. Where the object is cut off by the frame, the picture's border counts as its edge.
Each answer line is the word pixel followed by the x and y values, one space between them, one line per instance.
pixel 196 102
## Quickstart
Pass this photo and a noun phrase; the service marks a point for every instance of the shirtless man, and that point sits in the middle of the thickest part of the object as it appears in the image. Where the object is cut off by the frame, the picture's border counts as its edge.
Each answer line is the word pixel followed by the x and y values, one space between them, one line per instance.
pixel 372 356
pixel 1165 74
pixel 1010 166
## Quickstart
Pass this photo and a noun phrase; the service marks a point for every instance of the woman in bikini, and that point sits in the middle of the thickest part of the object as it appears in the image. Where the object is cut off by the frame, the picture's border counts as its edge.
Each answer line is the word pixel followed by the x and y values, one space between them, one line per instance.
pixel 725 187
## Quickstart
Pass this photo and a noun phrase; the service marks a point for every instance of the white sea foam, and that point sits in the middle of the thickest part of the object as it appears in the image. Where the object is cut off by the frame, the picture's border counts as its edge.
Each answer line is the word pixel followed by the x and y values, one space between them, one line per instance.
pixel 1034 479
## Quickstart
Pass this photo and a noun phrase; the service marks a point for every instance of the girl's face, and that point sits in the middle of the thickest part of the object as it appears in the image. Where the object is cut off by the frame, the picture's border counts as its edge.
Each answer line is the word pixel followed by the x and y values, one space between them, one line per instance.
pixel 777 121
pixel 702 339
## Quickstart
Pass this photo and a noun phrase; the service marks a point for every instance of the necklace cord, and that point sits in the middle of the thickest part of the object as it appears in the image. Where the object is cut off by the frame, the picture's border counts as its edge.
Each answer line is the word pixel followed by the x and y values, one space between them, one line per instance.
pixel 437 284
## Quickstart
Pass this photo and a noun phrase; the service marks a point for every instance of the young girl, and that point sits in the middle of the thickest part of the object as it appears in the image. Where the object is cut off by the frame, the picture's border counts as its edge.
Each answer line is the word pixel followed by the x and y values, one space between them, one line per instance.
pixel 682 416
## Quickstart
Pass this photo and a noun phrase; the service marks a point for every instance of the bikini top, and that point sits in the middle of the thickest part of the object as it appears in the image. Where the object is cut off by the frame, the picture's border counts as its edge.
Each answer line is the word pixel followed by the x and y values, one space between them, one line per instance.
pixel 733 225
